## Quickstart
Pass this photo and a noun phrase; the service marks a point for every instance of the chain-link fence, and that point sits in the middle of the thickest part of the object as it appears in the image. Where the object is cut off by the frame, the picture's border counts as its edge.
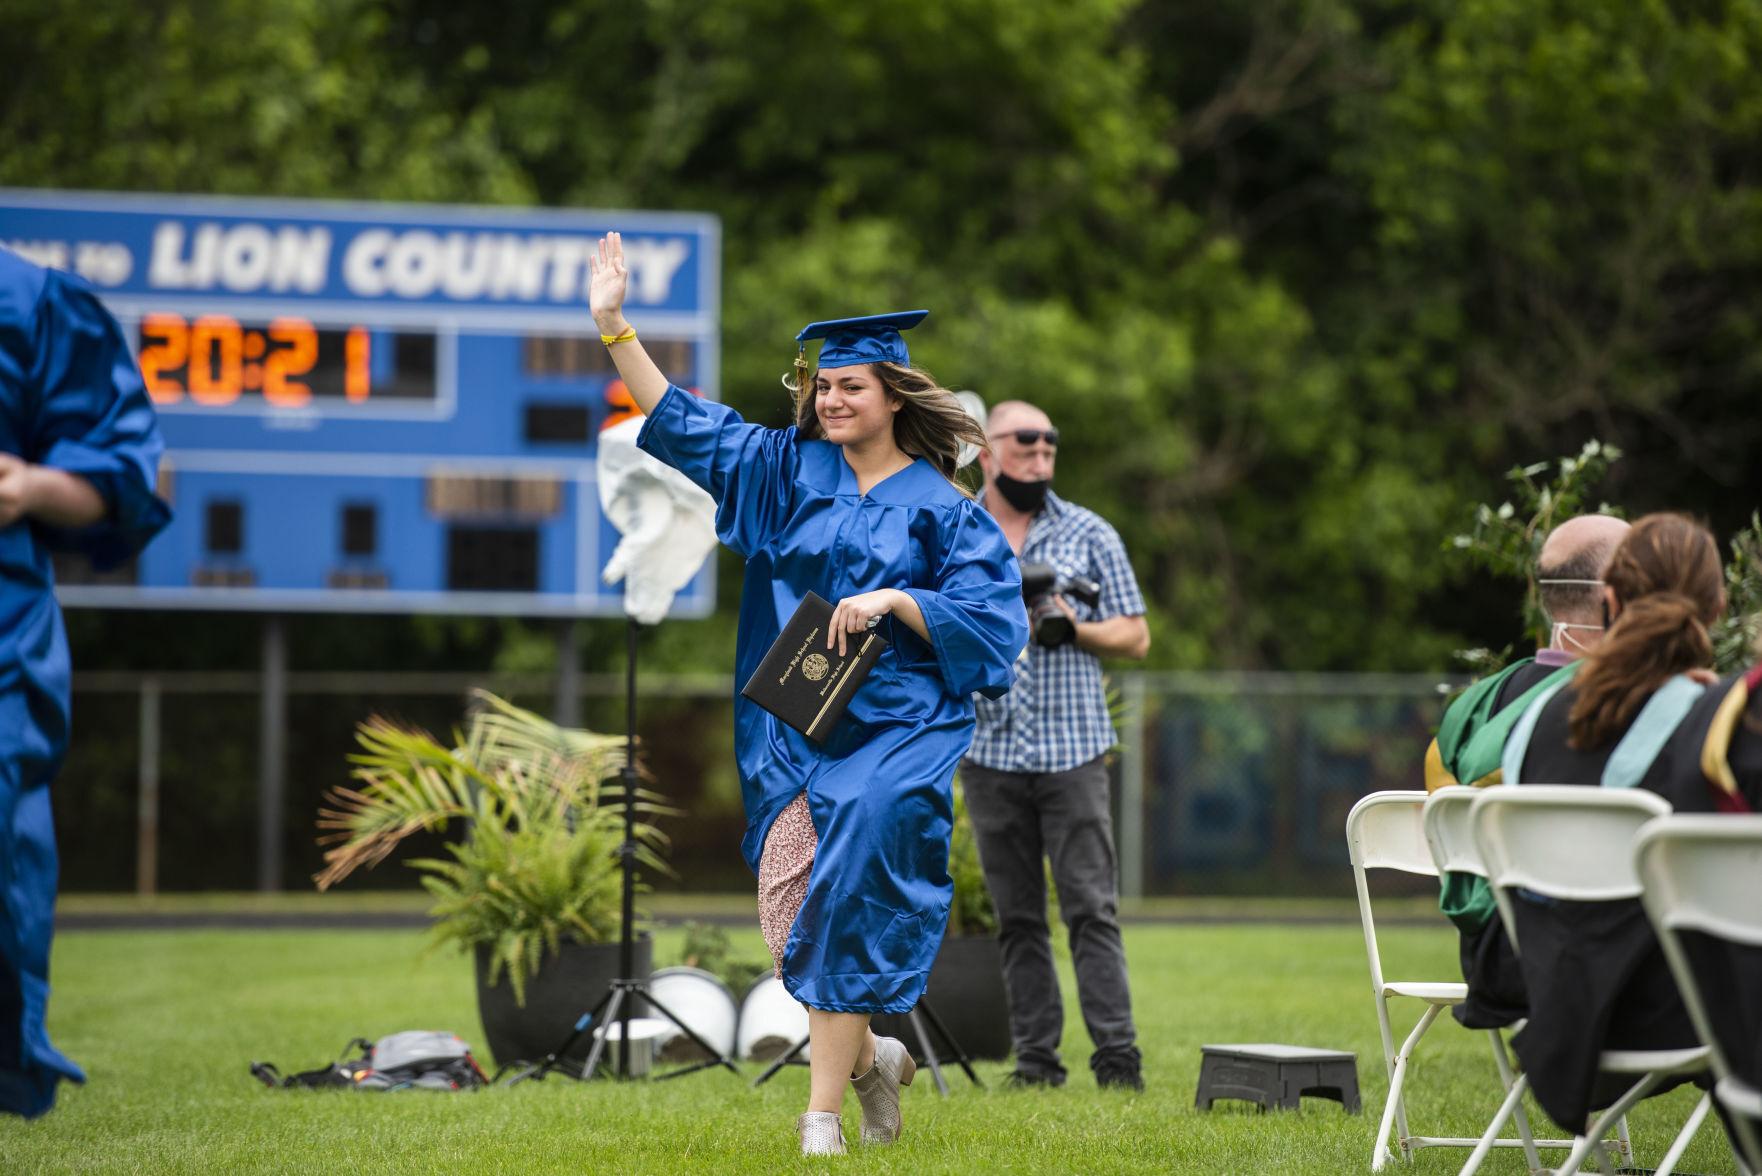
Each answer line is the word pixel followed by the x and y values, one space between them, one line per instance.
pixel 1241 783
pixel 1224 783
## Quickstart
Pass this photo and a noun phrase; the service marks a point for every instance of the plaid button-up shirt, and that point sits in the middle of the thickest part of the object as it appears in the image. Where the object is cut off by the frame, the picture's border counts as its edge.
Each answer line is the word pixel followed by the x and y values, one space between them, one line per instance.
pixel 1055 716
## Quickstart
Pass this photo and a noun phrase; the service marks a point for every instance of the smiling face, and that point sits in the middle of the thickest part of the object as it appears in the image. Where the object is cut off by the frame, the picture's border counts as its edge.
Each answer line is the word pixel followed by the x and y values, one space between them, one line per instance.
pixel 852 405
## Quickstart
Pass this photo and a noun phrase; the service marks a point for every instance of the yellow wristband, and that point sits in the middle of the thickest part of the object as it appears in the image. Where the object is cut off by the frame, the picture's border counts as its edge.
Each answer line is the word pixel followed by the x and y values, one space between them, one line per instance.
pixel 624 336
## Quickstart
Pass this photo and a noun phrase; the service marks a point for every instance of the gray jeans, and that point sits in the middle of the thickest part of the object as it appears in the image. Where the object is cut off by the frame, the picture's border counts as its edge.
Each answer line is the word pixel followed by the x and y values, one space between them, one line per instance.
pixel 1019 818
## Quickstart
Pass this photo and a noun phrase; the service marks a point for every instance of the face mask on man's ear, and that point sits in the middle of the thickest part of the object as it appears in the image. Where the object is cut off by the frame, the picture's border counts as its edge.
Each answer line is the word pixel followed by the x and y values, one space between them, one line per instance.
pixel 1560 627
pixel 1562 633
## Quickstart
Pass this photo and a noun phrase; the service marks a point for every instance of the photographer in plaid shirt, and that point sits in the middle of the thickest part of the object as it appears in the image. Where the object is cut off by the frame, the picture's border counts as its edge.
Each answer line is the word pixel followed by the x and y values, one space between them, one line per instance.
pixel 1036 779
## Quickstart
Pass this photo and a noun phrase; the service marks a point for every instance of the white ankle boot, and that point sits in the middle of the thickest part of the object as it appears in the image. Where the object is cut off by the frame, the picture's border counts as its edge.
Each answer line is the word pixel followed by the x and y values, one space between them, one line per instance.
pixel 822 1134
pixel 878 1090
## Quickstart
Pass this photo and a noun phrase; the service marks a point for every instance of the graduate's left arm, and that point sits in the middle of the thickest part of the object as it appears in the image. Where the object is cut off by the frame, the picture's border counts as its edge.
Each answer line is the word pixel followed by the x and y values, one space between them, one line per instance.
pixel 973 619
pixel 93 431
pixel 854 614
pixel 46 494
pixel 973 611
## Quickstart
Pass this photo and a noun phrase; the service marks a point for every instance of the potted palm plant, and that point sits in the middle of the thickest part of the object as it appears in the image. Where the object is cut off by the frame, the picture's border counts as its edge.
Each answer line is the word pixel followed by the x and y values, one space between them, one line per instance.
pixel 966 981
pixel 531 886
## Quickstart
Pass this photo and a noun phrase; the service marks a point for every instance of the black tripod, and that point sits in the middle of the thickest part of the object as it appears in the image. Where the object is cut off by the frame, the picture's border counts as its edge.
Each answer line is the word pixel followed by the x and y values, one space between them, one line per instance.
pixel 924 1047
pixel 623 994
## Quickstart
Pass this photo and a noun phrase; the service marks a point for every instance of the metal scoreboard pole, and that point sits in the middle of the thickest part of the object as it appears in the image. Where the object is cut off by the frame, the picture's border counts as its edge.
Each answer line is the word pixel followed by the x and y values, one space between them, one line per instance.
pixel 147 795
pixel 566 708
pixel 272 746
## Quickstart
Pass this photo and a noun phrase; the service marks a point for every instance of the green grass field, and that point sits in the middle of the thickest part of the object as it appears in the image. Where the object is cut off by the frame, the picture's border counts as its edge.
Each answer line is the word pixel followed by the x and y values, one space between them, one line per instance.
pixel 166 1022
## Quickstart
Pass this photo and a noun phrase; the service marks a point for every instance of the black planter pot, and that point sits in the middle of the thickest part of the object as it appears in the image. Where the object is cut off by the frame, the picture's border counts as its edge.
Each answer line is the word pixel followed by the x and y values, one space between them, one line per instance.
pixel 567 985
pixel 966 990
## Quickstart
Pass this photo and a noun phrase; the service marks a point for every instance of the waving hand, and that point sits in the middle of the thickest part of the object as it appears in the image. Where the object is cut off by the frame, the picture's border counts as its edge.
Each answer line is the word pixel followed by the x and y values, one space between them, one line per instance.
pixel 608 280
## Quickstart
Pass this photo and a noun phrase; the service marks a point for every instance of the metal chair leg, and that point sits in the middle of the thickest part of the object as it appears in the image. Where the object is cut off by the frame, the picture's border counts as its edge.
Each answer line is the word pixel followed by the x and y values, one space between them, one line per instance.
pixel 1681 1144
pixel 1748 1144
pixel 1392 1107
pixel 1502 1061
pixel 1513 1102
pixel 1581 1150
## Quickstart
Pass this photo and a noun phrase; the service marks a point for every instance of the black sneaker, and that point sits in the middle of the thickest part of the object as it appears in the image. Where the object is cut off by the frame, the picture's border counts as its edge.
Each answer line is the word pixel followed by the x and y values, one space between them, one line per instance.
pixel 1022 1079
pixel 1120 1075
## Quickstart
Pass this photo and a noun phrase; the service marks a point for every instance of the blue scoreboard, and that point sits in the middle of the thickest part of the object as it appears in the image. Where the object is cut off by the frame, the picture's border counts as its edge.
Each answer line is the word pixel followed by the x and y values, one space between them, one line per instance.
pixel 374 407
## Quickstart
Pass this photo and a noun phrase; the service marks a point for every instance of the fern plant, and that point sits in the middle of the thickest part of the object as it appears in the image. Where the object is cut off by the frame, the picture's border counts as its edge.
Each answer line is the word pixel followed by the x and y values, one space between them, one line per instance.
pixel 1507 539
pixel 537 865
pixel 1737 636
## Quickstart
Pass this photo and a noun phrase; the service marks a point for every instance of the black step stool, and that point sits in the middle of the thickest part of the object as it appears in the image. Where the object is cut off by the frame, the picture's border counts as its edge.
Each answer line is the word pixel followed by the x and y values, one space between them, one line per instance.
pixel 1276 1075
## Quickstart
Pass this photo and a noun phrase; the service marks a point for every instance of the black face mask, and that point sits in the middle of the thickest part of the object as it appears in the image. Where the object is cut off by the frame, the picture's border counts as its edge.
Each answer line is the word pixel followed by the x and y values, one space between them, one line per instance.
pixel 1027 497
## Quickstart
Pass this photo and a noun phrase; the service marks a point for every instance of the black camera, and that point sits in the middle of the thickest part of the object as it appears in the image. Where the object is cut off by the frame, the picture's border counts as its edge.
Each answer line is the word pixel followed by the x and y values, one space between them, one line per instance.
pixel 1046 621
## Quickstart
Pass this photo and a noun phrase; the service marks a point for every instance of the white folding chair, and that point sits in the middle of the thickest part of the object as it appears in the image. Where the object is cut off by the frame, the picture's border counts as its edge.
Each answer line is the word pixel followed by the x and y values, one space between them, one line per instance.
pixel 1576 844
pixel 1453 850
pixel 1704 873
pixel 1384 832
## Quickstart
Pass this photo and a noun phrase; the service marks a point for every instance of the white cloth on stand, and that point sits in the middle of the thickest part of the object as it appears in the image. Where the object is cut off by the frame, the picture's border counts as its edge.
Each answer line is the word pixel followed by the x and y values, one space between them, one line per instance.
pixel 668 523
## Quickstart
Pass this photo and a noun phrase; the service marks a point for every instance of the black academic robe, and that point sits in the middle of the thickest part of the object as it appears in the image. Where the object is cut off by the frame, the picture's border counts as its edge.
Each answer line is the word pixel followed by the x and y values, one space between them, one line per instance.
pixel 1729 975
pixel 1685 784
pixel 1594 973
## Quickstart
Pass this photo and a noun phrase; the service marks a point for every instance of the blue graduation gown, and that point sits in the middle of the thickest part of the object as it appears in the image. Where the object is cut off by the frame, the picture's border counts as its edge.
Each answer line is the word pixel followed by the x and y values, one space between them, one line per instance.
pixel 70 397
pixel 879 788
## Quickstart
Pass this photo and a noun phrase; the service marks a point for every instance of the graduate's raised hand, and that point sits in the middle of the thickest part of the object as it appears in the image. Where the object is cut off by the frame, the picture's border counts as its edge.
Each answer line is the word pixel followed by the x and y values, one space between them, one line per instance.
pixel 609 278
pixel 859 614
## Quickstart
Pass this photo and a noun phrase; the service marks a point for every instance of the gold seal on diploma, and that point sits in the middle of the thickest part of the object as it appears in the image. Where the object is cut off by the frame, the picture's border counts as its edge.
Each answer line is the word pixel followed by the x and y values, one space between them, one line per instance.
pixel 814 667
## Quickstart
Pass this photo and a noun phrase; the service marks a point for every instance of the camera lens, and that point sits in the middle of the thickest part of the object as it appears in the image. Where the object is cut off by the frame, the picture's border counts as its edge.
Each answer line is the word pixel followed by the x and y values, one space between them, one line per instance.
pixel 1050 626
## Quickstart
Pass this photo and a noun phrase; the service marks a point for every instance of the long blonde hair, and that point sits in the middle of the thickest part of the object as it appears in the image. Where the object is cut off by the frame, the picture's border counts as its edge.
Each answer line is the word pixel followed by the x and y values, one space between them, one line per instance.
pixel 930 423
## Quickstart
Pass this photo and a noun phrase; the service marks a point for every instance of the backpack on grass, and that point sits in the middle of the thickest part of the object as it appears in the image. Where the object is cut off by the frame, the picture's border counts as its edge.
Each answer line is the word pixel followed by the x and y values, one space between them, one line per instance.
pixel 418 1059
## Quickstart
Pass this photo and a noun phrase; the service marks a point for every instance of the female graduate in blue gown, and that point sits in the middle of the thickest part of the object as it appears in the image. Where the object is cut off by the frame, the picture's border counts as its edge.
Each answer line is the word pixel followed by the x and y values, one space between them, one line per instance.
pixel 855 503
pixel 79 450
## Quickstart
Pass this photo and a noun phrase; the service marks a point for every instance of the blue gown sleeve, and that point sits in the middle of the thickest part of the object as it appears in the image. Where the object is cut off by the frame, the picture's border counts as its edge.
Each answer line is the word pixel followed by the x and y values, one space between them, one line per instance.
pixel 91 417
pixel 978 624
pixel 747 469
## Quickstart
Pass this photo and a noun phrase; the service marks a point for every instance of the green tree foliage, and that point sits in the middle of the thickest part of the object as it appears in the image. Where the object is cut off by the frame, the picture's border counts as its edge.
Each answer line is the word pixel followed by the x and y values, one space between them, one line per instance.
pixel 236 97
pixel 1737 638
pixel 1296 277
pixel 1565 195
pixel 1507 539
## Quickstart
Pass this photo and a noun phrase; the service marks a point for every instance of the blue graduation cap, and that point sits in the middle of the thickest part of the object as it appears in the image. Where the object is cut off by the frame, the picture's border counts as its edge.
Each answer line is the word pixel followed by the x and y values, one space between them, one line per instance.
pixel 873 338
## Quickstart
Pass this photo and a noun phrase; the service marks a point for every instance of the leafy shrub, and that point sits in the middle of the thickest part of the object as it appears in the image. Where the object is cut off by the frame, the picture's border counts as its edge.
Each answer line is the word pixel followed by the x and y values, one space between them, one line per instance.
pixel 539 862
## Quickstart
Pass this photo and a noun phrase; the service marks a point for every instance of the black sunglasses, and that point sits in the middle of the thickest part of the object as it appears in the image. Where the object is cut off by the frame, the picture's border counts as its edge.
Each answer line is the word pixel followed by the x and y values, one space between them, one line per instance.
pixel 1030 436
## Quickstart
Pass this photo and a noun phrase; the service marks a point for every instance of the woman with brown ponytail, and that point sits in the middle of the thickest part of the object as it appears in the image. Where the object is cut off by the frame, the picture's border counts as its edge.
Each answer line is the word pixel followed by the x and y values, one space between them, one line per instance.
pixel 1596 977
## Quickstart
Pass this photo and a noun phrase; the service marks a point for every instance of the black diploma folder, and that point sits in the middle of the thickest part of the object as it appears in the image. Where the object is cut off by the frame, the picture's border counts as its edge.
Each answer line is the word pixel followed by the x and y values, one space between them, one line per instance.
pixel 806 684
